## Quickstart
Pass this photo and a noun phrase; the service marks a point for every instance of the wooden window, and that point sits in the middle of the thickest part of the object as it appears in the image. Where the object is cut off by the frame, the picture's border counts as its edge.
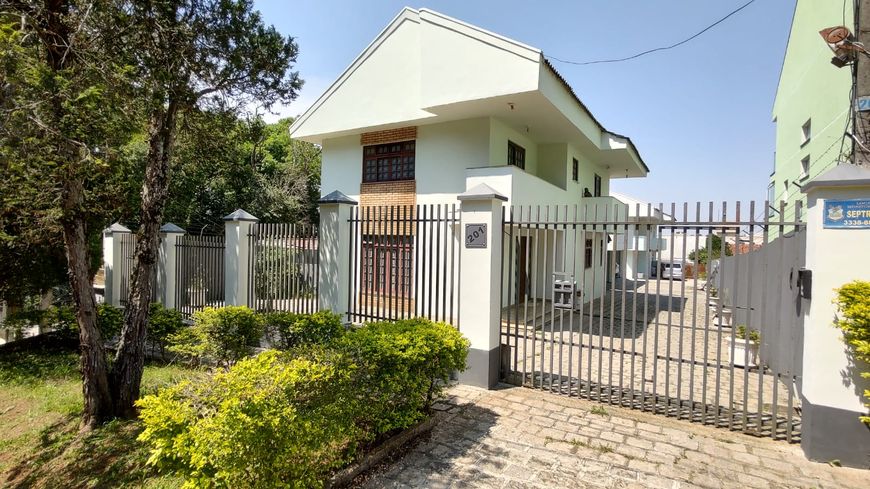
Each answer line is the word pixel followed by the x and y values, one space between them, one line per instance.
pixel 516 155
pixel 389 162
pixel 597 185
pixel 575 170
pixel 587 254
pixel 386 265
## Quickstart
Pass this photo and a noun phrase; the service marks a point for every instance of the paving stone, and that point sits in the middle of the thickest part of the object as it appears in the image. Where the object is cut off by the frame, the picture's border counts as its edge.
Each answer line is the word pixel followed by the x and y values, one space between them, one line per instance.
pixel 513 438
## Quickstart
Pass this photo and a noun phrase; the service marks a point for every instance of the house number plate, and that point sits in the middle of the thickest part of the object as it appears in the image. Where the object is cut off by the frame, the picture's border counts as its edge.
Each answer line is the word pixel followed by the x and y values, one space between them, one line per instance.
pixel 475 235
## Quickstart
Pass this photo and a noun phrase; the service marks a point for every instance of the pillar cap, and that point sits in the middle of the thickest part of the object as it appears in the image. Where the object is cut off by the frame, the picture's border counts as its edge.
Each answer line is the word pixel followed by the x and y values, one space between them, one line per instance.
pixel 336 197
pixel 481 191
pixel 171 228
pixel 240 215
pixel 116 228
pixel 843 175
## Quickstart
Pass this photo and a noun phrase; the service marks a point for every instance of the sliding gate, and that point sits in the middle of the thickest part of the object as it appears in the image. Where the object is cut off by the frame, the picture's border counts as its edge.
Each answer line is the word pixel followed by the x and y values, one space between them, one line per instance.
pixel 689 311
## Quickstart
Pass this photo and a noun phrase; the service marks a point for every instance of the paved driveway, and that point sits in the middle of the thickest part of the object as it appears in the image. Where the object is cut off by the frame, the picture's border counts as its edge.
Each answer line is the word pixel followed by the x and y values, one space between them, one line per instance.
pixel 519 437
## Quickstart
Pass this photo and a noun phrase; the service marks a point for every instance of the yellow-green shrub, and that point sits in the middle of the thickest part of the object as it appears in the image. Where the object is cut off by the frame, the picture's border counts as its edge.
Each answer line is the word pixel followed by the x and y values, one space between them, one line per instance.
pixel 224 335
pixel 403 366
pixel 275 420
pixel 289 419
pixel 853 303
pixel 289 330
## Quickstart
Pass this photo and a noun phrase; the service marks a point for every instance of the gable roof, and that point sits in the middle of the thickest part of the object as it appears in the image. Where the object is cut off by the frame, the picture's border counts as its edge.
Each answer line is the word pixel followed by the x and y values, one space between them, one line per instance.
pixel 439 92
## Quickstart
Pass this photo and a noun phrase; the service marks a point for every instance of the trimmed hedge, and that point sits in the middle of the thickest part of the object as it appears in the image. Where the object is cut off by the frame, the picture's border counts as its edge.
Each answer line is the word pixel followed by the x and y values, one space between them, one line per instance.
pixel 292 418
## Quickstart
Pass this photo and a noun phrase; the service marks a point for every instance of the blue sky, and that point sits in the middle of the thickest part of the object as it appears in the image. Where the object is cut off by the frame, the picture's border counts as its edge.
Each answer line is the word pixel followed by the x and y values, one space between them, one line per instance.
pixel 700 114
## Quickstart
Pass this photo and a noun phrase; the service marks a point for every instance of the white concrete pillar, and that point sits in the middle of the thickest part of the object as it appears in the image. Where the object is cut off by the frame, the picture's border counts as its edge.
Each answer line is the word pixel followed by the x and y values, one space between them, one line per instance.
pixel 167 264
pixel 333 252
pixel 237 251
pixel 112 263
pixel 480 305
pixel 836 253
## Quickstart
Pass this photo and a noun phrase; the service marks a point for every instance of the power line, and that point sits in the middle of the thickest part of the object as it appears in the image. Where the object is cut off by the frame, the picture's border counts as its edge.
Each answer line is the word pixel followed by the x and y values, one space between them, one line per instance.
pixel 662 48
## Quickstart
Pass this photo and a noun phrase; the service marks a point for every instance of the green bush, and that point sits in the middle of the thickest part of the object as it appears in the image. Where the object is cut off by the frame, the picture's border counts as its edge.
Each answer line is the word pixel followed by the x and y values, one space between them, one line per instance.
pixel 276 420
pixel 853 302
pixel 290 419
pixel 223 335
pixel 754 335
pixel 163 323
pixel 288 330
pixel 404 366
pixel 110 320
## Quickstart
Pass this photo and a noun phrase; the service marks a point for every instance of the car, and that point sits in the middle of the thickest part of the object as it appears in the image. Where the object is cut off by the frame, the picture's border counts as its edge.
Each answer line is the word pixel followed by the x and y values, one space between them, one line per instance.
pixel 672 271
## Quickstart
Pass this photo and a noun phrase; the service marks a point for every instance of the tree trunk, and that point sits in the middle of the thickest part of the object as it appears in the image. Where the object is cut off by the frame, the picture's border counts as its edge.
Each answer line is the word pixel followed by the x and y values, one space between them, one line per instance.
pixel 95 382
pixel 130 358
pixel 55 35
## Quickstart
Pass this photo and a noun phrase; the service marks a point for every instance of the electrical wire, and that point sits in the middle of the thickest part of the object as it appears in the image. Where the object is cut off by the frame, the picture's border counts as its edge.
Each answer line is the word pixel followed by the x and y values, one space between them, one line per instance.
pixel 662 48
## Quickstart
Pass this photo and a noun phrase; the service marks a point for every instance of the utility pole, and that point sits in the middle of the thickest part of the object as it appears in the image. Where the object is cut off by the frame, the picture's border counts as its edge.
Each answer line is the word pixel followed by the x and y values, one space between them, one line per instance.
pixel 861 76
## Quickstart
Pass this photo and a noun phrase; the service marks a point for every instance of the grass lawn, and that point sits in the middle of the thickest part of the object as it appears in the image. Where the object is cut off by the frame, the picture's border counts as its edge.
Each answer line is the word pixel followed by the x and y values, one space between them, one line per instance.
pixel 40 404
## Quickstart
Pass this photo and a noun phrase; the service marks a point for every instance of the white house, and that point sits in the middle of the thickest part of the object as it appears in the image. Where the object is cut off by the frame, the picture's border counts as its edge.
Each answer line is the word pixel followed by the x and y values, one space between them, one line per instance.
pixel 435 106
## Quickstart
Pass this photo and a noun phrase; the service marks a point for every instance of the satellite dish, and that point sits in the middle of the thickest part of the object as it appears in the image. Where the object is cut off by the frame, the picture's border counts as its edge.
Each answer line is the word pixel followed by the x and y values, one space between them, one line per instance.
pixel 842 43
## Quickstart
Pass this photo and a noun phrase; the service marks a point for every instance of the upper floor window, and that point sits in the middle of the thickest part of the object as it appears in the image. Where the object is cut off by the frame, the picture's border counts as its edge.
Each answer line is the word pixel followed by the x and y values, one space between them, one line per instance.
pixel 806 131
pixel 516 155
pixel 389 162
pixel 597 191
pixel 805 166
pixel 575 170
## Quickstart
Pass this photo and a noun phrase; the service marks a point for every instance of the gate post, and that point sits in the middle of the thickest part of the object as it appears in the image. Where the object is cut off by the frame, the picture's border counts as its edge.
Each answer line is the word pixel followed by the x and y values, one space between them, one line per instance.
pixel 333 251
pixel 166 264
pixel 237 227
pixel 836 253
pixel 480 282
pixel 112 263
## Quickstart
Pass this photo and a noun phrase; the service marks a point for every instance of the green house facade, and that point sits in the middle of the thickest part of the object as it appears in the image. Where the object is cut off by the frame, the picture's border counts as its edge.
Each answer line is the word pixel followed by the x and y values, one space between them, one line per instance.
pixel 811 108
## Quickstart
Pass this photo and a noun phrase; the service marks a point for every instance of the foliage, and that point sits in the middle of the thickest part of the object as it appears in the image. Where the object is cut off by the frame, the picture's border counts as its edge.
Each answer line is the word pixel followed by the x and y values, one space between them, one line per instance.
pixel 109 320
pixel 715 244
pixel 223 163
pixel 754 335
pixel 162 324
pixel 289 330
pixel 853 303
pixel 290 418
pixel 223 335
pixel 404 365
pixel 276 420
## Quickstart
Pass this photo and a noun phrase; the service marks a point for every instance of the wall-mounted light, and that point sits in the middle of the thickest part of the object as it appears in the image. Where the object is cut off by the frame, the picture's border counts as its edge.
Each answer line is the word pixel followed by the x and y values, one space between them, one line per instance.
pixel 511 105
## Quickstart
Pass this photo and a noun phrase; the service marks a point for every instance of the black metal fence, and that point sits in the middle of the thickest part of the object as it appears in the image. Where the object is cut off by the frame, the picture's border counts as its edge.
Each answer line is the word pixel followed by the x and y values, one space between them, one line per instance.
pixel 128 263
pixel 612 303
pixel 404 263
pixel 283 267
pixel 199 273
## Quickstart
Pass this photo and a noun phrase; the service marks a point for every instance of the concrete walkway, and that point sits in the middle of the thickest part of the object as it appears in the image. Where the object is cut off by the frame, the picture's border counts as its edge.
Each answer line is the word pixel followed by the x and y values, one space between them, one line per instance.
pixel 519 437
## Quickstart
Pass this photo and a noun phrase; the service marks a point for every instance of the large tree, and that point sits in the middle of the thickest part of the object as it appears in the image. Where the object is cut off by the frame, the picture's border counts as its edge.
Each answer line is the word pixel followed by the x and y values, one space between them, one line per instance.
pixel 62 115
pixel 77 75
pixel 188 55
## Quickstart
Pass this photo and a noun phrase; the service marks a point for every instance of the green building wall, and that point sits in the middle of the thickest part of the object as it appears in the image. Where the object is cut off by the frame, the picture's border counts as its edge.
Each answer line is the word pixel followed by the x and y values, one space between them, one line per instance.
pixel 810 89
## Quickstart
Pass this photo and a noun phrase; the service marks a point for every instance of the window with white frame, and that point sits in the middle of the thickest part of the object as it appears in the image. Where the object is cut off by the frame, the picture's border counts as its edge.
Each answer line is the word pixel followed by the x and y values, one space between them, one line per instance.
pixel 806 131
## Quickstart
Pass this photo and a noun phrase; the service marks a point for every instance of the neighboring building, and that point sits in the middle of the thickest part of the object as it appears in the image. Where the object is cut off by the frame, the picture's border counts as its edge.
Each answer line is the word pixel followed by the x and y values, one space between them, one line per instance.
pixel 636 249
pixel 434 107
pixel 811 109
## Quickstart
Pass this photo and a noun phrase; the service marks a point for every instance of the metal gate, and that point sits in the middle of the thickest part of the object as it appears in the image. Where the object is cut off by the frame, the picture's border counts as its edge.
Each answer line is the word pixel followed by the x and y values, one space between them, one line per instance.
pixel 690 311
pixel 284 267
pixel 404 263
